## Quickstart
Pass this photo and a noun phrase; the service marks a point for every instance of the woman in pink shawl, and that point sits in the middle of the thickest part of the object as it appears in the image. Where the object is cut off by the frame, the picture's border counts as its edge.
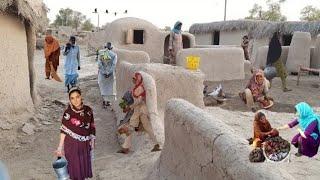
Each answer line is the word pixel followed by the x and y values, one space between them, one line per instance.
pixel 140 115
pixel 256 91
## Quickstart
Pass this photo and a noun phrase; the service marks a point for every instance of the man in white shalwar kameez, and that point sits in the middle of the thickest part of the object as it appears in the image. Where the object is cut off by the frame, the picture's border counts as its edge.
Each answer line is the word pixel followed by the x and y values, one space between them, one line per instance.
pixel 107 60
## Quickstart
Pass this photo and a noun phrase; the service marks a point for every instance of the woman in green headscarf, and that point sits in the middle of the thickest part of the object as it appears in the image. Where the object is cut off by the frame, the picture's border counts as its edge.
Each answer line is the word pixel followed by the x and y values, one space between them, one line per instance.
pixel 308 139
pixel 175 42
pixel 273 59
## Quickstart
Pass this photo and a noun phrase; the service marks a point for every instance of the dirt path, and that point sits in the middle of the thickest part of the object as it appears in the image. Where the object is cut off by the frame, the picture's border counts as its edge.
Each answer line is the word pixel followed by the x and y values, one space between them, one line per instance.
pixel 30 156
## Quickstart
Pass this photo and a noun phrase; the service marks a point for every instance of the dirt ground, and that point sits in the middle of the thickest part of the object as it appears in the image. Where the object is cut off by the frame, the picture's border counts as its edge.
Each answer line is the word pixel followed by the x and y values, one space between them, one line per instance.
pixel 234 113
pixel 284 102
pixel 29 157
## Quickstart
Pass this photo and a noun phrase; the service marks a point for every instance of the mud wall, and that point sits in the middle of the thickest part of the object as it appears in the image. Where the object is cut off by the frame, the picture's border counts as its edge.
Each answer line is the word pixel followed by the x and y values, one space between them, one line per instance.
pixel 200 146
pixel 15 91
pixel 315 60
pixel 262 55
pixel 218 64
pixel 117 33
pixel 133 57
pixel 170 82
pixel 299 51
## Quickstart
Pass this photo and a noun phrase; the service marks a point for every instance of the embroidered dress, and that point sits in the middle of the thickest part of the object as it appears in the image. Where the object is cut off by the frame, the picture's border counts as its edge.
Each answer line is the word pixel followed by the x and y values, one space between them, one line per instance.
pixel 78 125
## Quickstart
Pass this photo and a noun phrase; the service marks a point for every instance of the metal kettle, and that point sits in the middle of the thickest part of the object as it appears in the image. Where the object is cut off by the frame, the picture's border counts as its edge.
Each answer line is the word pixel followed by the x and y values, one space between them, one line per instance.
pixel 60 167
pixel 270 72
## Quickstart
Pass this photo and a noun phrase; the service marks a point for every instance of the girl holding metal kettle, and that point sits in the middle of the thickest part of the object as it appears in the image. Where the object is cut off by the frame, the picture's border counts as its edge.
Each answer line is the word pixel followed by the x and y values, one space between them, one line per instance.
pixel 77 137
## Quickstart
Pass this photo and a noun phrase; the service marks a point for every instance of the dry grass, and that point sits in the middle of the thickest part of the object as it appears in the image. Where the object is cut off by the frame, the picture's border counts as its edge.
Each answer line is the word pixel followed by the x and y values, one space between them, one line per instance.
pixel 257 29
pixel 33 12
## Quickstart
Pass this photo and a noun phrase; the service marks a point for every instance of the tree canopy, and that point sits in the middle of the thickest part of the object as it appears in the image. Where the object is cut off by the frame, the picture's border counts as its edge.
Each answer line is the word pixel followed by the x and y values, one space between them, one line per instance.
pixel 273 13
pixel 310 13
pixel 75 19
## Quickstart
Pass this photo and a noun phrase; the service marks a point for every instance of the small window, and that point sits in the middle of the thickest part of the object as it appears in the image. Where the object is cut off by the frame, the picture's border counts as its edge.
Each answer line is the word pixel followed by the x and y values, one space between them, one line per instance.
pixel 138 36
pixel 286 39
pixel 216 38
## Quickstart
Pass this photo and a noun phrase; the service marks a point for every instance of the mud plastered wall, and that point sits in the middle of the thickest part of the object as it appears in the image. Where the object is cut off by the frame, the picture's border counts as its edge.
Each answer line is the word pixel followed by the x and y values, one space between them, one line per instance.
pixel 299 51
pixel 247 67
pixel 162 82
pixel 199 146
pixel 254 46
pixel 170 82
pixel 218 64
pixel 116 33
pixel 262 55
pixel 15 92
pixel 133 57
pixel 153 38
pixel 315 60
pixel 217 46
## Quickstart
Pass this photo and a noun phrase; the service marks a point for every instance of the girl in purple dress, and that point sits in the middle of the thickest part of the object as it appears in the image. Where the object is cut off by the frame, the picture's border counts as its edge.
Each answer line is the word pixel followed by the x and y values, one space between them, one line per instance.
pixel 308 139
pixel 77 137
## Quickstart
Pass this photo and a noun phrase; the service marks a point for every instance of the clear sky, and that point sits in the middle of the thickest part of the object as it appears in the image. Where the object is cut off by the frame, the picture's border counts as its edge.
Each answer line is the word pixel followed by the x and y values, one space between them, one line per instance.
pixel 166 12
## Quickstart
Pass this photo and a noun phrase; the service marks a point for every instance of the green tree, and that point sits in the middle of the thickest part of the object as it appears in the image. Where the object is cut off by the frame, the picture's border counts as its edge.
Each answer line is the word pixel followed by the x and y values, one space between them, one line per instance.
pixel 68 17
pixel 64 18
pixel 310 13
pixel 272 14
pixel 87 25
pixel 77 19
pixel 255 12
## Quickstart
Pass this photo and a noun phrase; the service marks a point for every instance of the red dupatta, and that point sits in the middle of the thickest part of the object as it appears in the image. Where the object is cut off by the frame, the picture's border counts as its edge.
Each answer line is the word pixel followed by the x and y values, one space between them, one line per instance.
pixel 138 90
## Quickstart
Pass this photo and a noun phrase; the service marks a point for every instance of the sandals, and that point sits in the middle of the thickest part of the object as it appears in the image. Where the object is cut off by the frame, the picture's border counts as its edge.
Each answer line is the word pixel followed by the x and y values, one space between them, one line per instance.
pixel 106 104
pixel 286 90
pixel 242 97
pixel 254 110
pixel 298 154
pixel 124 151
pixel 156 148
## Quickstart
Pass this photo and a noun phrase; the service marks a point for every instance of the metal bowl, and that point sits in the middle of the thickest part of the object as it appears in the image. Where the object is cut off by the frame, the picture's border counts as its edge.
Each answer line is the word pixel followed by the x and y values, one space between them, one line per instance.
pixel 270 72
pixel 285 159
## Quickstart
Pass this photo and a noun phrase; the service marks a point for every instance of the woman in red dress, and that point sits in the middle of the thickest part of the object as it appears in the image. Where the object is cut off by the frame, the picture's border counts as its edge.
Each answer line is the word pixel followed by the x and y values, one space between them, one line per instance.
pixel 77 137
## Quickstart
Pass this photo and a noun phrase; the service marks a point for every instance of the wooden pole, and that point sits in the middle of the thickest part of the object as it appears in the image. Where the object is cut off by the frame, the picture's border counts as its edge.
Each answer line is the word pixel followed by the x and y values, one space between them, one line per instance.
pixel 225 10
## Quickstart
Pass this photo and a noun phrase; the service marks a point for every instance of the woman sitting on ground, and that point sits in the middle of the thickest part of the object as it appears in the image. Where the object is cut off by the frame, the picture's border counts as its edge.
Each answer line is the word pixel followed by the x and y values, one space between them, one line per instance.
pixel 308 139
pixel 140 115
pixel 256 91
pixel 262 129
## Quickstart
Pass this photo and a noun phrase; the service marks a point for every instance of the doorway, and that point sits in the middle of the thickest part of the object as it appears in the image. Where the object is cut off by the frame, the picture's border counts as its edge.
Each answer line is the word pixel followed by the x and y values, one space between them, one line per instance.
pixel 186 42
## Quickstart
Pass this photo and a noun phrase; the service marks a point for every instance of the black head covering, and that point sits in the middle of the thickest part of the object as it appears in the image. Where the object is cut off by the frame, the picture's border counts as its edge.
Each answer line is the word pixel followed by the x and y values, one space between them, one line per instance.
pixel 275 50
pixel 72 38
pixel 109 46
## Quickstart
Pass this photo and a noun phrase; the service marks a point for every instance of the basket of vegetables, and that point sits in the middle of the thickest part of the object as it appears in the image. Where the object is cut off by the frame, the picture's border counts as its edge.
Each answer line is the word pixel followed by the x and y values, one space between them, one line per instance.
pixel 276 149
